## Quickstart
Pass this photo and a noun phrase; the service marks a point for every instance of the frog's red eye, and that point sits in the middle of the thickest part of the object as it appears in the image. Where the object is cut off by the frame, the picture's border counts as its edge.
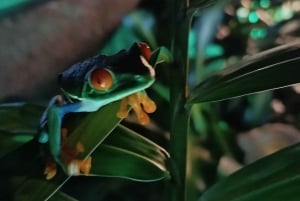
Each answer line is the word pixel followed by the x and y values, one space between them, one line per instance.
pixel 101 79
pixel 145 49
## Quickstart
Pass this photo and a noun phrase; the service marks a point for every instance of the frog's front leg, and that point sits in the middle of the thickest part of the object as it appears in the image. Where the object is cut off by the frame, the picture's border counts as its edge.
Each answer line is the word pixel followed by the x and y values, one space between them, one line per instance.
pixel 55 116
pixel 61 153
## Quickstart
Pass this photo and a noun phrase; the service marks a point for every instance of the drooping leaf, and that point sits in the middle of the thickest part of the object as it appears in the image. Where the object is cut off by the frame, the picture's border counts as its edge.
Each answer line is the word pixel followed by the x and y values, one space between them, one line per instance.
pixel 16 118
pixel 273 178
pixel 274 68
pixel 127 154
pixel 18 124
pixel 61 196
pixel 21 173
pixel 160 55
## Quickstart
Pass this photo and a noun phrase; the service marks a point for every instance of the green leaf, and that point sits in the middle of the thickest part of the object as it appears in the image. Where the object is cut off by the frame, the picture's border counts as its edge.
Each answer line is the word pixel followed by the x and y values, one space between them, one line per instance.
pixel 61 196
pixel 273 178
pixel 23 169
pixel 200 3
pixel 35 188
pixel 129 155
pixel 9 6
pixel 93 128
pixel 274 68
pixel 20 118
pixel 160 55
pixel 9 143
pixel 18 124
pixel 22 174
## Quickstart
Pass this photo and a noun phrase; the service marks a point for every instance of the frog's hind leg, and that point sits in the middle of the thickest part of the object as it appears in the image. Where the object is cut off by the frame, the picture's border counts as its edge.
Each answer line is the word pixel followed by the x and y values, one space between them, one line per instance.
pixel 55 116
pixel 69 156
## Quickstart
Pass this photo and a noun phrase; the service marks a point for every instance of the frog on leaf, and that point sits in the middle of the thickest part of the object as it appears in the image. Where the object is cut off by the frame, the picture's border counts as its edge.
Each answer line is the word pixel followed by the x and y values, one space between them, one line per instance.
pixel 91 84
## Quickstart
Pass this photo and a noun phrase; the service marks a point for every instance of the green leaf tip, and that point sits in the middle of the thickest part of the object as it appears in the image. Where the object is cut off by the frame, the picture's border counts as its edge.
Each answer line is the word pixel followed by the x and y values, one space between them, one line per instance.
pixel 271 69
pixel 272 178
pixel 160 55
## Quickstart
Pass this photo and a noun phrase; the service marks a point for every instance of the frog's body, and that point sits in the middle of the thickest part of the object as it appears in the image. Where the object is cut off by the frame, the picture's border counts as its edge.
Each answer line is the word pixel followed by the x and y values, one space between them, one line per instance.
pixel 95 82
pixel 127 68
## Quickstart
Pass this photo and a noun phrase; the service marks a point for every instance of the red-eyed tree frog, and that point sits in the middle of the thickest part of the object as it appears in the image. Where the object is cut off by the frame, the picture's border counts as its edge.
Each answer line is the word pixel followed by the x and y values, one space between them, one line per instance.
pixel 89 85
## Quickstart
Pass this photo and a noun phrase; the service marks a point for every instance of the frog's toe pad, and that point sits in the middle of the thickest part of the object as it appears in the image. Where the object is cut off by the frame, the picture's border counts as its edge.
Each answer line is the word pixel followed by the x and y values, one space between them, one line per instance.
pixel 75 167
pixel 86 165
pixel 50 169
pixel 141 105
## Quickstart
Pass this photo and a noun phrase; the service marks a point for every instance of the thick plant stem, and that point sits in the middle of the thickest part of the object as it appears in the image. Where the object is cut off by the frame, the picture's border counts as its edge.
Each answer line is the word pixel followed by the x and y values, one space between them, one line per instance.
pixel 179 92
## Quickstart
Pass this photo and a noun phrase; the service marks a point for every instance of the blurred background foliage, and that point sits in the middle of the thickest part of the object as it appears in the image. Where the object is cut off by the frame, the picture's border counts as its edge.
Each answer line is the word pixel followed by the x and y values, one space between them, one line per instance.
pixel 225 135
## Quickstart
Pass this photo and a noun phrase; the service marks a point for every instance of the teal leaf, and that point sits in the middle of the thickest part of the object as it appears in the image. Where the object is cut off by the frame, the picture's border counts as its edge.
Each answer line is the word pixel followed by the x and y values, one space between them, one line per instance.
pixel 274 68
pixel 9 6
pixel 160 55
pixel 127 154
pixel 273 178
pixel 194 5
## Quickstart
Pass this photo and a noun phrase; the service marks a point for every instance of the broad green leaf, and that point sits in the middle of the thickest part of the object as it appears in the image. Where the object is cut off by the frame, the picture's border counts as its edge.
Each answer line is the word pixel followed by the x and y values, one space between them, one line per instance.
pixel 23 168
pixel 20 118
pixel 9 6
pixel 274 68
pixel 22 173
pixel 160 55
pixel 127 154
pixel 125 164
pixel 61 196
pixel 35 188
pixel 9 143
pixel 273 178
pixel 94 127
pixel 18 124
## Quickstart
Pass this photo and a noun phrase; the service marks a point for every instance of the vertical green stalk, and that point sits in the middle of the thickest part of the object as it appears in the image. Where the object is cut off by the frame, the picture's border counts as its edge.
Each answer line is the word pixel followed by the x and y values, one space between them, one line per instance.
pixel 179 93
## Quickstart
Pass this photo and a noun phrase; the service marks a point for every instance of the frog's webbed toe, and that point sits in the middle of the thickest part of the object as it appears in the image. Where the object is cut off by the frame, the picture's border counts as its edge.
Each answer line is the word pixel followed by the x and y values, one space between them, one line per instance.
pixel 69 159
pixel 141 105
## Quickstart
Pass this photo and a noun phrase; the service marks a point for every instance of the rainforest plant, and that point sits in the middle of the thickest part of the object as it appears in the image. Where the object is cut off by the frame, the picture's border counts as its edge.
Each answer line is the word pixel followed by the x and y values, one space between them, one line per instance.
pixel 94 133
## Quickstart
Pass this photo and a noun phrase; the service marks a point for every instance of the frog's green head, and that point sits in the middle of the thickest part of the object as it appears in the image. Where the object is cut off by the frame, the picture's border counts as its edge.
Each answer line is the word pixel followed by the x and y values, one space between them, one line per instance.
pixel 104 77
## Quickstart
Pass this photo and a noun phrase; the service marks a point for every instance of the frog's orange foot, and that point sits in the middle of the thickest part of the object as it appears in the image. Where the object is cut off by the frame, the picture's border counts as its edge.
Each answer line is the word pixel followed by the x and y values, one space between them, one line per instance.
pixel 141 105
pixel 69 155
pixel 50 169
pixel 76 166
